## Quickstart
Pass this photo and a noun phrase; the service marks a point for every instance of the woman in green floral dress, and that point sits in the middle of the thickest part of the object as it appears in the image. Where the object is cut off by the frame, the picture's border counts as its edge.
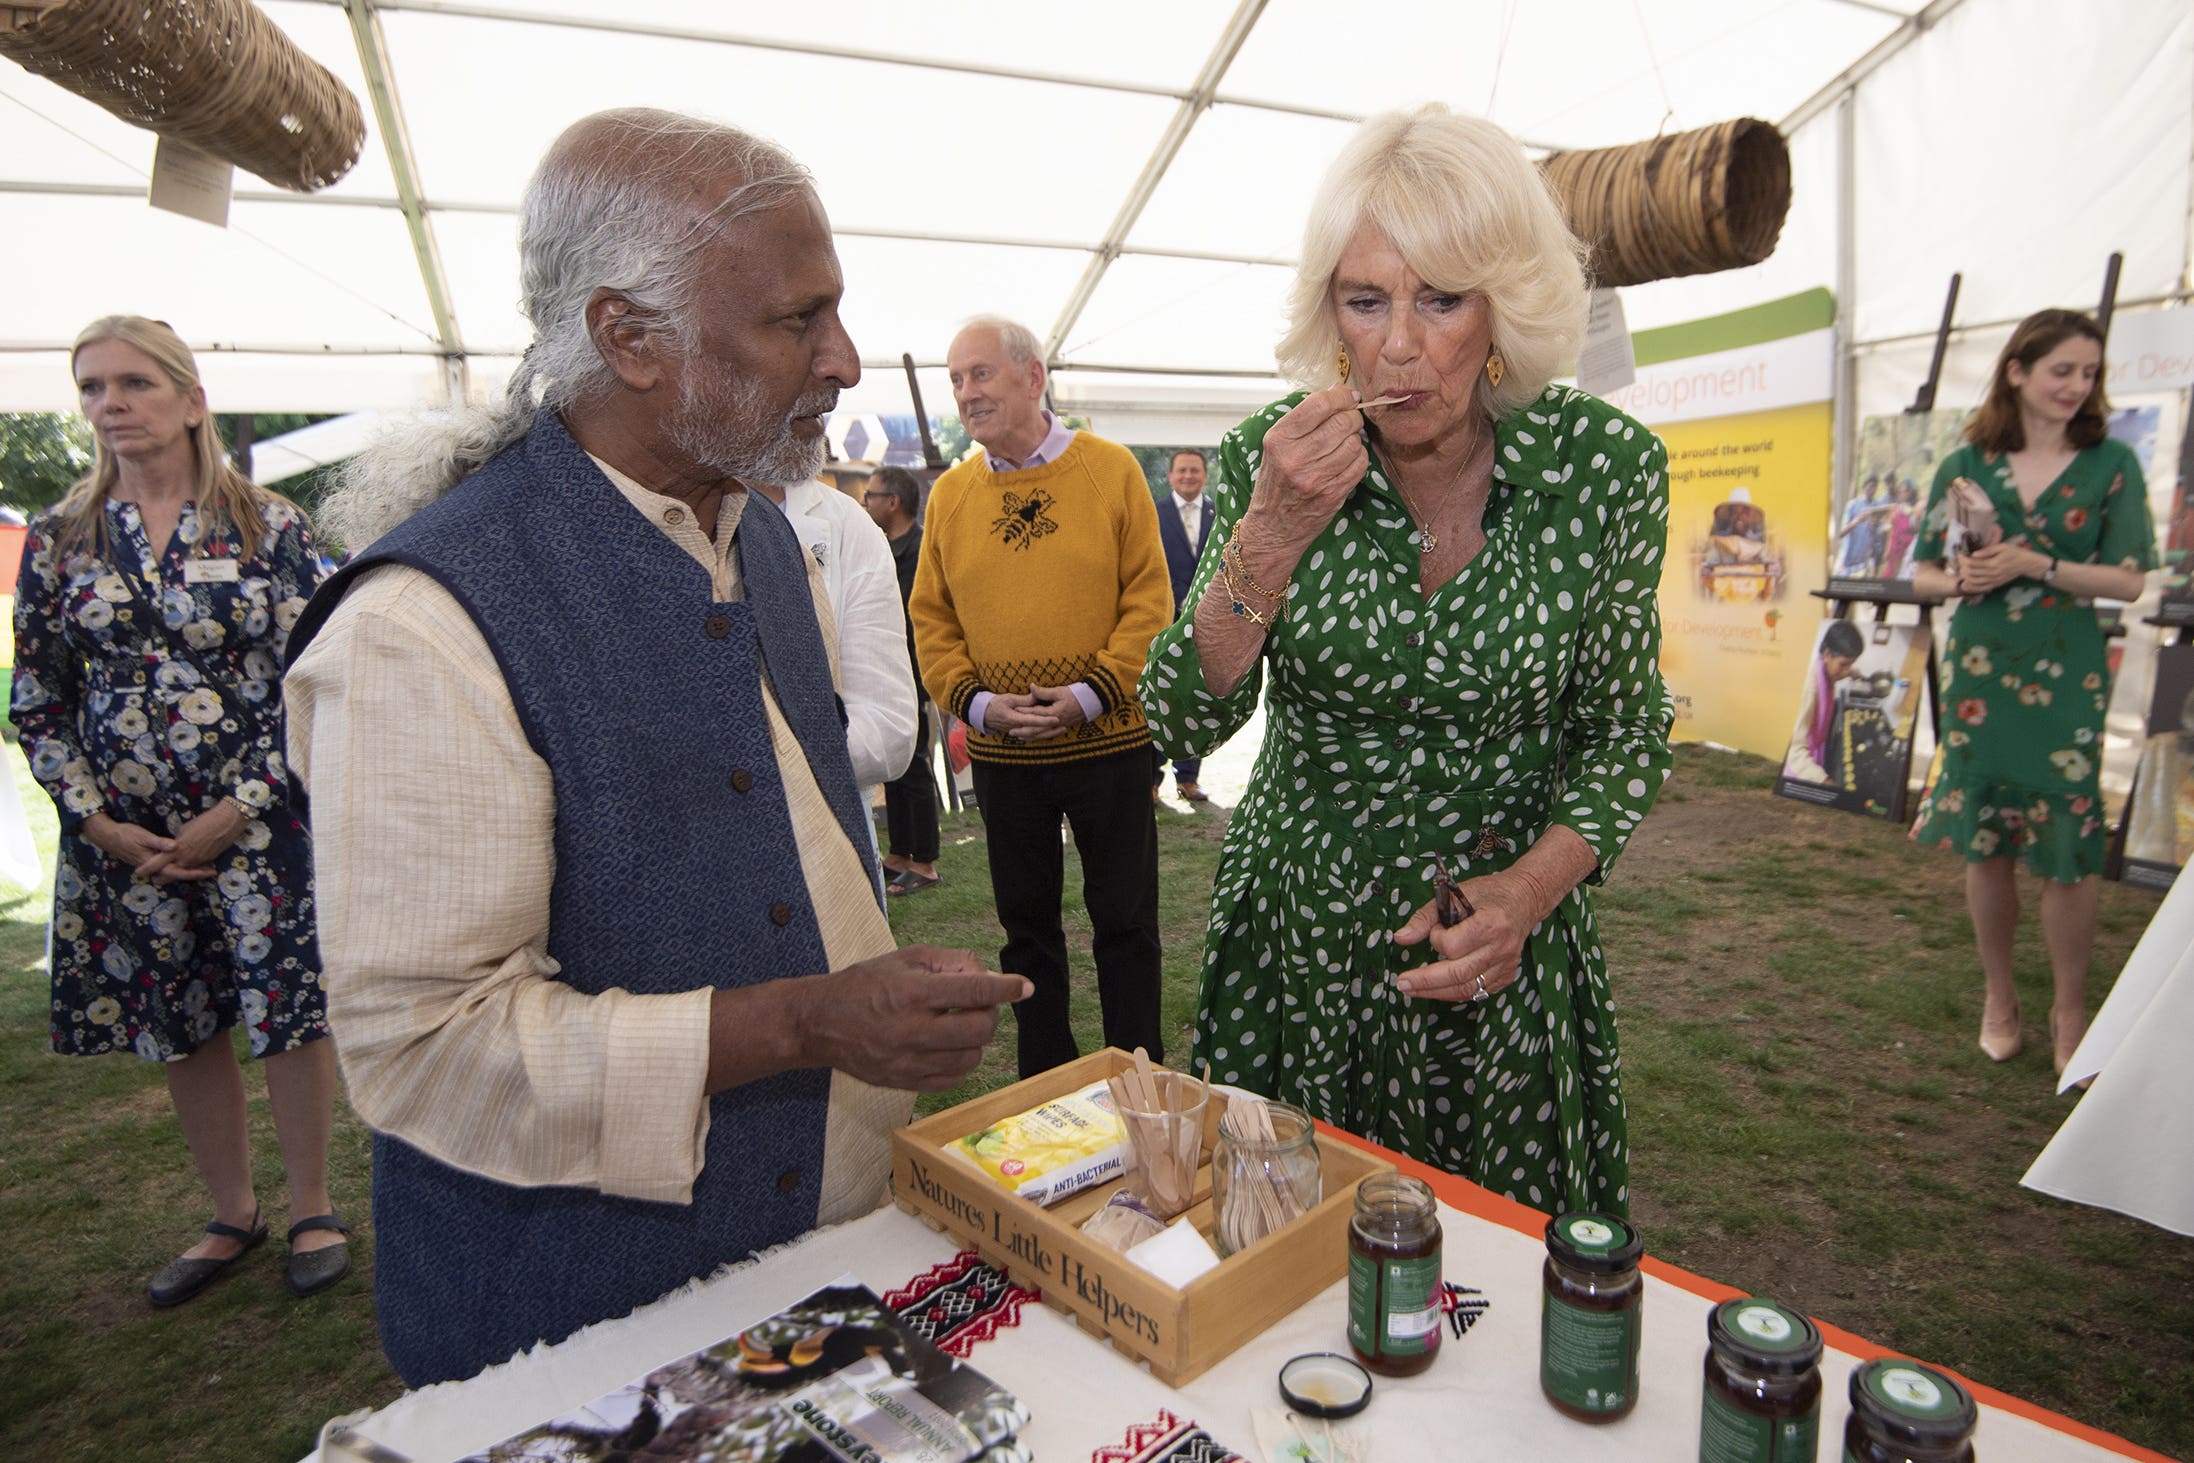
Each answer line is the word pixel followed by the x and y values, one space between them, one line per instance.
pixel 2027 684
pixel 1450 601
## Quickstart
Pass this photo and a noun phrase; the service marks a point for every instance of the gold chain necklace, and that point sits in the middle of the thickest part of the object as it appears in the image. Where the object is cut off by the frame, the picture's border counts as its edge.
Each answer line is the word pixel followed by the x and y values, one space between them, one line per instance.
pixel 1427 540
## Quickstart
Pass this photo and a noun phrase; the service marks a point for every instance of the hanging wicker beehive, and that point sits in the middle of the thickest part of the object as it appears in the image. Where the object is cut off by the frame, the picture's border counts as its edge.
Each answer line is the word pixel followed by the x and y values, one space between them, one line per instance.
pixel 214 73
pixel 1688 204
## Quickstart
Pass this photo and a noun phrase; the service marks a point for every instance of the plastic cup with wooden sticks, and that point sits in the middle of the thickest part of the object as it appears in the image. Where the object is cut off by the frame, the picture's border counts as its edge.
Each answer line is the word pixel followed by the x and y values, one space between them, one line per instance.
pixel 1163 1113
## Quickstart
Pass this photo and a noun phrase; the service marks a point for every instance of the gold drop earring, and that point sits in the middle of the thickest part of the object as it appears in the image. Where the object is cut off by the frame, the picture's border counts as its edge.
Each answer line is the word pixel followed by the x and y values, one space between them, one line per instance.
pixel 1340 364
pixel 1495 370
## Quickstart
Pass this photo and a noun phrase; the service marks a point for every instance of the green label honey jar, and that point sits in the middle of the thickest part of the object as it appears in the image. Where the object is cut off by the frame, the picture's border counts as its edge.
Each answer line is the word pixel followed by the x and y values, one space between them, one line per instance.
pixel 1762 1400
pixel 1903 1412
pixel 1394 1275
pixel 1590 1317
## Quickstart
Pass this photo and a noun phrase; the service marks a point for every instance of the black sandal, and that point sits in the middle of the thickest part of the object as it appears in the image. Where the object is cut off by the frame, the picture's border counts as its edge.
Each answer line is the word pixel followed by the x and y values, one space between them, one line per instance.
pixel 312 1271
pixel 179 1280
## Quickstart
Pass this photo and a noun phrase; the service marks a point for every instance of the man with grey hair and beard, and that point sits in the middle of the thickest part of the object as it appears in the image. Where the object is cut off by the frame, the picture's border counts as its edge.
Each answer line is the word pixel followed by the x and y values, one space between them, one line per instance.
pixel 609 975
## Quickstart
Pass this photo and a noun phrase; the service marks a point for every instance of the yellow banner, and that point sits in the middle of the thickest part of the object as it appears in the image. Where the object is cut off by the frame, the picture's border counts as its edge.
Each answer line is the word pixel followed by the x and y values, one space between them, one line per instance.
pixel 1747 543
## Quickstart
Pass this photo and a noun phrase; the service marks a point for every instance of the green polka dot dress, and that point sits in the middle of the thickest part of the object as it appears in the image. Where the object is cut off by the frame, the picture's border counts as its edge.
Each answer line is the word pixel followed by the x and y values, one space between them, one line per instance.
pixel 1525 692
pixel 2026 679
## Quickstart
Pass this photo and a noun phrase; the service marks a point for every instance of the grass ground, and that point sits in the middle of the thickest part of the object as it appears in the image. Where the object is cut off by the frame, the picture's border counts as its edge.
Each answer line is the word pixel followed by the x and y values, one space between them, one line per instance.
pixel 1809 1118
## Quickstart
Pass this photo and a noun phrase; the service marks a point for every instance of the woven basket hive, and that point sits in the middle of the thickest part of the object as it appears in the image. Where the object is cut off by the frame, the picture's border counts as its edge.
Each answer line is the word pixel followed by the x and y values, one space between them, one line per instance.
pixel 213 73
pixel 1692 203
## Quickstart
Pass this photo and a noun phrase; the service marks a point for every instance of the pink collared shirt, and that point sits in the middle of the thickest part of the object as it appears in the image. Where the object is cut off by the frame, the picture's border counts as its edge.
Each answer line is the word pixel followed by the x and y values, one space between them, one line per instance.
pixel 1058 437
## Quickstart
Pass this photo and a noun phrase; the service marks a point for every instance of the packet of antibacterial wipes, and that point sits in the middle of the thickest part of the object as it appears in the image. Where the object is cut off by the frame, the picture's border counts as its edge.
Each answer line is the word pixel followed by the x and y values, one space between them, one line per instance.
pixel 1053 1150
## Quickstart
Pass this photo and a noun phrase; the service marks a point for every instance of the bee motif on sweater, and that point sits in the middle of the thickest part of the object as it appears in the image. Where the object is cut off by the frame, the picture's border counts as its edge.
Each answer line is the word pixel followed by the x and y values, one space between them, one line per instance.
pixel 1025 520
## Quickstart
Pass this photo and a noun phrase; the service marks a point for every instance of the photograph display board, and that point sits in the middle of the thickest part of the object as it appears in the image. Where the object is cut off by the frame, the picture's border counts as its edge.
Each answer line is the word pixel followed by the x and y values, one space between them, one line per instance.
pixel 2159 835
pixel 2136 426
pixel 2175 535
pixel 2176 602
pixel 1875 520
pixel 1851 746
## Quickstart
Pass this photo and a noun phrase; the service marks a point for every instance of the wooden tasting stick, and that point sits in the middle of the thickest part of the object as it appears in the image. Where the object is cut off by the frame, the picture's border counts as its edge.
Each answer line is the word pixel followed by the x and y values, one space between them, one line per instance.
pixel 1137 1090
pixel 1265 1208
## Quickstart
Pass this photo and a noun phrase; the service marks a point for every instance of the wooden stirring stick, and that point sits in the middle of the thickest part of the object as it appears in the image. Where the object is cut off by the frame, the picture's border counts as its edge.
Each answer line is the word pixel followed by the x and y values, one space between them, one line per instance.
pixel 1152 1101
pixel 1141 1099
pixel 1381 401
pixel 1269 1202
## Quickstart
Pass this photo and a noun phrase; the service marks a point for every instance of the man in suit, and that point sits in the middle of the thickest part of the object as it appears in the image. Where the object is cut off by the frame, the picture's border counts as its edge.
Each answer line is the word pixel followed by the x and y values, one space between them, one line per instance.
pixel 1184 524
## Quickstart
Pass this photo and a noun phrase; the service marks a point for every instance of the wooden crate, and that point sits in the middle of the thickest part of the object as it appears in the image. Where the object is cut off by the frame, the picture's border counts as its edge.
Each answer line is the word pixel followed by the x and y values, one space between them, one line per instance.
pixel 1180 1332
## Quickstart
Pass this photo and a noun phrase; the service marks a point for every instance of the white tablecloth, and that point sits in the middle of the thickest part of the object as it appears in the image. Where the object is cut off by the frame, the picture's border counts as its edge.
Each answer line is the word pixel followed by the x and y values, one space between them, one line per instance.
pixel 2124 1147
pixel 1481 1400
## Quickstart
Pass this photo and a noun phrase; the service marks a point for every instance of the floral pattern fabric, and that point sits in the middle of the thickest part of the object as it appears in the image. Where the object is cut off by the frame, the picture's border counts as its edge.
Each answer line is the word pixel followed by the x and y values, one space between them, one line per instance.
pixel 1400 728
pixel 2026 684
pixel 150 689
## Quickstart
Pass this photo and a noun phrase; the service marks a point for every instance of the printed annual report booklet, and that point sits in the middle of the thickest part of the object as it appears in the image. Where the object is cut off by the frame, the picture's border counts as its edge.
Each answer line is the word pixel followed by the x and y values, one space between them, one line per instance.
pixel 837 1376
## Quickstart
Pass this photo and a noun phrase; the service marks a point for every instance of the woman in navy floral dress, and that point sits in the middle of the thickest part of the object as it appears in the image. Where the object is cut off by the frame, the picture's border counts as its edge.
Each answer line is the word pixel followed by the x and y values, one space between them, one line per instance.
pixel 150 619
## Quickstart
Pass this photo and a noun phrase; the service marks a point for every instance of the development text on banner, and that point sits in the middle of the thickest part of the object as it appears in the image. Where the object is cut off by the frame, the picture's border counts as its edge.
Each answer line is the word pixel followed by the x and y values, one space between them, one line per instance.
pixel 1742 400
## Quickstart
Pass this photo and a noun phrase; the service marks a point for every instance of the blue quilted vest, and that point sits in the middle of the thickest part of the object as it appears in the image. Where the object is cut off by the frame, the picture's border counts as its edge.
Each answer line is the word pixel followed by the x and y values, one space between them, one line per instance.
pixel 676 869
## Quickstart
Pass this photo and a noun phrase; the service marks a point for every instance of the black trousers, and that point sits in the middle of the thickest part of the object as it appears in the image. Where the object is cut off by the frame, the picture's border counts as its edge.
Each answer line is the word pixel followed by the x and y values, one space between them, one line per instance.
pixel 1106 802
pixel 910 803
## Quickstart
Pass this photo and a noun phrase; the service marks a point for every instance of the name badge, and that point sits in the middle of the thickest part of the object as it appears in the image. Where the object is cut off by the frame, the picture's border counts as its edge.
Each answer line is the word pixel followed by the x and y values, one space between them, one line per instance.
pixel 209 571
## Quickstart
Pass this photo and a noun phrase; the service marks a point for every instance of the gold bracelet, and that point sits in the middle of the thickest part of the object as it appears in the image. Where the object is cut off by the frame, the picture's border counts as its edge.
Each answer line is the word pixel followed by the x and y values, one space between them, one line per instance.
pixel 1242 606
pixel 240 805
pixel 1233 551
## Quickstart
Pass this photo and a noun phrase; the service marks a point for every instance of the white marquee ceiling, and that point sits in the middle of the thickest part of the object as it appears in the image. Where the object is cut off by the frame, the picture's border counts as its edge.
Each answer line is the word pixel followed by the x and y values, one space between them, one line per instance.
pixel 1056 162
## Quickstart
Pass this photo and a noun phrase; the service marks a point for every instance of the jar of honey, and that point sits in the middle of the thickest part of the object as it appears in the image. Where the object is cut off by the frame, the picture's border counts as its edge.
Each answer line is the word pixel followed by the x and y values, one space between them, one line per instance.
pixel 1394 1275
pixel 1762 1402
pixel 1902 1412
pixel 1591 1316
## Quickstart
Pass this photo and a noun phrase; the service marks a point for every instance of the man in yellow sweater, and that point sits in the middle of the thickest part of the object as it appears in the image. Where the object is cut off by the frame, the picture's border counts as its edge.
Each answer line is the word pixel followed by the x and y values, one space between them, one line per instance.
pixel 1040 586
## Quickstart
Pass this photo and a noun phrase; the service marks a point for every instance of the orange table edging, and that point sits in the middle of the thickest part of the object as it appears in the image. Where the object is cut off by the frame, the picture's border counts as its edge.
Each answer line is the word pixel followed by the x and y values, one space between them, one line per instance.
pixel 1482 1203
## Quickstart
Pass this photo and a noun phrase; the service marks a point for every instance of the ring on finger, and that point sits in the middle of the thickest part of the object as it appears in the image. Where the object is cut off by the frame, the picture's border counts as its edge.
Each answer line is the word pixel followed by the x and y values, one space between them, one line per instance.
pixel 1480 982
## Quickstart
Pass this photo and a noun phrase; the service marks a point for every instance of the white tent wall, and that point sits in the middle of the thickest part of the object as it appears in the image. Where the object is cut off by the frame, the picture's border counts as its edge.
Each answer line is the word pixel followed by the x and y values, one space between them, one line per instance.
pixel 38 380
pixel 985 155
pixel 2021 141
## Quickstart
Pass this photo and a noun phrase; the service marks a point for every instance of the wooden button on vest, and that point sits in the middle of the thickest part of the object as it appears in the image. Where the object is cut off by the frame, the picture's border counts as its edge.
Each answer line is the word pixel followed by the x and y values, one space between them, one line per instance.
pixel 788 1181
pixel 742 780
pixel 716 627
pixel 780 913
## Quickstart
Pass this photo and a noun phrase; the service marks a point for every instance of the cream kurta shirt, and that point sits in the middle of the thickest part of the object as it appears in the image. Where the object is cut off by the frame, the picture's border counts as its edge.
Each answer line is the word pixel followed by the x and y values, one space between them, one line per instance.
pixel 433 846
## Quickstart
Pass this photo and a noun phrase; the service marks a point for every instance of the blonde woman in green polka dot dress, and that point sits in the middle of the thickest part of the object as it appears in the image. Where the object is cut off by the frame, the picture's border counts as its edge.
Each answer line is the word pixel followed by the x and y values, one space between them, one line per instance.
pixel 1449 603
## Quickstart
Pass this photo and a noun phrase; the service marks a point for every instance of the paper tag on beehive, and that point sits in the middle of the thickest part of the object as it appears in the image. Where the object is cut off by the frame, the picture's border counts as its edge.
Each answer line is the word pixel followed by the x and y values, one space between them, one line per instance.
pixel 1607 361
pixel 192 183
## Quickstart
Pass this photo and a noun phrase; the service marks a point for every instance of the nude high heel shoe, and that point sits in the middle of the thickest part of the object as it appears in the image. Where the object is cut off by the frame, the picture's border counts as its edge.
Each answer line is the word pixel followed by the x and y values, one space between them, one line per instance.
pixel 2000 1045
pixel 2061 1051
